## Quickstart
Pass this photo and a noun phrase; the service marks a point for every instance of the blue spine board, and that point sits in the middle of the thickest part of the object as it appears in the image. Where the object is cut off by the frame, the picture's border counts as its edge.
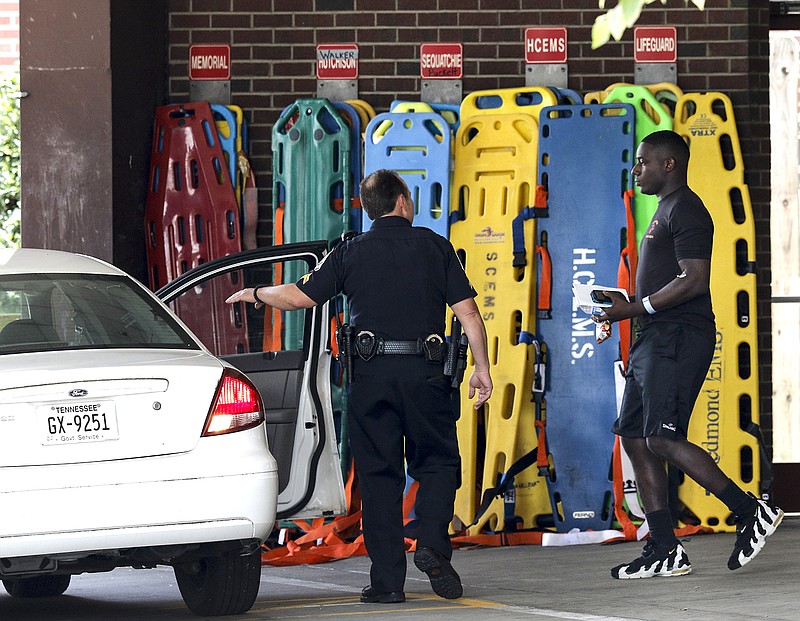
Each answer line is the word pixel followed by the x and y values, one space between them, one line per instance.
pixel 228 144
pixel 585 154
pixel 417 146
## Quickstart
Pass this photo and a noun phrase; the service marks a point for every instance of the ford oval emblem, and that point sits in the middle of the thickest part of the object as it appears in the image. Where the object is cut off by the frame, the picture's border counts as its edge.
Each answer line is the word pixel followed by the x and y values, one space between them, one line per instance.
pixel 78 392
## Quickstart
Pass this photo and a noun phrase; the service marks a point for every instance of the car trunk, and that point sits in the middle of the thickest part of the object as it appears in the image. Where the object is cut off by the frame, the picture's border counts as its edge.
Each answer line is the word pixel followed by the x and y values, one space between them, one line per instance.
pixel 96 405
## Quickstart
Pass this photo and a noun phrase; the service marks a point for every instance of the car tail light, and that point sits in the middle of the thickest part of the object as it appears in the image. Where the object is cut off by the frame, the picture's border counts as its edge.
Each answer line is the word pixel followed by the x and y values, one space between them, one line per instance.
pixel 237 406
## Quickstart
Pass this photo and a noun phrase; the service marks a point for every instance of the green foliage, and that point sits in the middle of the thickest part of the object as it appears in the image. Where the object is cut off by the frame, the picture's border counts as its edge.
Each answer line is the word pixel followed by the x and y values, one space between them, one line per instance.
pixel 9 160
pixel 616 21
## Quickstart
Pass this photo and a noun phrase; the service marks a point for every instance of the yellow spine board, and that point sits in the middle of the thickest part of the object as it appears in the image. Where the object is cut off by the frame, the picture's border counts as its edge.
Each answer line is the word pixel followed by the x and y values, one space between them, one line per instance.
pixel 364 111
pixel 524 100
pixel 730 392
pixel 651 116
pixel 412 106
pixel 494 180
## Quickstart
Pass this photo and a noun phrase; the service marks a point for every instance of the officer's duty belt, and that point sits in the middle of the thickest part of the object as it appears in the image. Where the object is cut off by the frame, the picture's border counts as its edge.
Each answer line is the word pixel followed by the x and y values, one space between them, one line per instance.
pixel 367 345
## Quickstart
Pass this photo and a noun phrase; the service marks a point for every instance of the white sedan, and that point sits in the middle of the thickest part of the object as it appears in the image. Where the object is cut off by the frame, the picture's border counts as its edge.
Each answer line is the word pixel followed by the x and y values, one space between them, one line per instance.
pixel 127 440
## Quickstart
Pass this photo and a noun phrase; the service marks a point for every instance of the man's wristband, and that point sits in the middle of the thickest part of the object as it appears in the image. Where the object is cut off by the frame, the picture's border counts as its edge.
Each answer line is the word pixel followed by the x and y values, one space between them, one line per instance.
pixel 647 306
pixel 258 302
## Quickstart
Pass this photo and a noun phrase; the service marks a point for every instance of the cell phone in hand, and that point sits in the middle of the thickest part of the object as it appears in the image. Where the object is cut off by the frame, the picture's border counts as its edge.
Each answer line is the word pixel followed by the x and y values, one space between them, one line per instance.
pixel 600 298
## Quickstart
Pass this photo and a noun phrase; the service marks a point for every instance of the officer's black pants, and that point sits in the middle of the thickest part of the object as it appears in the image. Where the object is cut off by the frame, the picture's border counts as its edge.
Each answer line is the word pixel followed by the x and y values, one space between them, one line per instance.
pixel 390 399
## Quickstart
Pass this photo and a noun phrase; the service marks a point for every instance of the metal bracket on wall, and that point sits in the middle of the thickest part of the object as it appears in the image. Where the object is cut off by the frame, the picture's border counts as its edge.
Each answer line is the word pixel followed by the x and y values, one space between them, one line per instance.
pixel 655 73
pixel 441 91
pixel 212 91
pixel 546 74
pixel 337 90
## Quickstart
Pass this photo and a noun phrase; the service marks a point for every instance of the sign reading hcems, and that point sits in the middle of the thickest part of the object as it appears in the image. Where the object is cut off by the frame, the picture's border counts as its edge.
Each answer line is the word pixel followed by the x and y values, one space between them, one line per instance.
pixel 655 44
pixel 546 46
pixel 337 61
pixel 441 61
pixel 210 62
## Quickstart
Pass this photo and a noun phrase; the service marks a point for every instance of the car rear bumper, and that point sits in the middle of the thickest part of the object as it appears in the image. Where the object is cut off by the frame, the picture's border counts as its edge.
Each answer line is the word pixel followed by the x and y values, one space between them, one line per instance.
pixel 134 515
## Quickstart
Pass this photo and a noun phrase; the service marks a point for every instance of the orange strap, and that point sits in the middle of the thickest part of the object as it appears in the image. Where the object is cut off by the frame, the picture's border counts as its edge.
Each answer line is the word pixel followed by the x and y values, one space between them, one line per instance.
pixel 545 306
pixel 628 527
pixel 540 199
pixel 496 540
pixel 334 344
pixel 624 282
pixel 409 501
pixel 324 541
pixel 273 318
pixel 540 423
pixel 633 251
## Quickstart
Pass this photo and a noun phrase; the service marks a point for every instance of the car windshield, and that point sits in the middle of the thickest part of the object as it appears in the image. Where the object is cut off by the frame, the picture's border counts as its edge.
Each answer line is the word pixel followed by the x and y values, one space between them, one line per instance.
pixel 42 312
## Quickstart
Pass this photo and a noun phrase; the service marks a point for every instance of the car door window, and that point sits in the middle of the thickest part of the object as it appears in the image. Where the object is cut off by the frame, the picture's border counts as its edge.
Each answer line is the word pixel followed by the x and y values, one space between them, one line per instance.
pixel 232 329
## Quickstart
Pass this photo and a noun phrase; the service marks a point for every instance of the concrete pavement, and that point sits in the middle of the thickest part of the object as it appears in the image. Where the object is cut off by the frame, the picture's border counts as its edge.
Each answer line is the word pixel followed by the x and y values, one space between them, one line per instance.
pixel 535 582
pixel 530 583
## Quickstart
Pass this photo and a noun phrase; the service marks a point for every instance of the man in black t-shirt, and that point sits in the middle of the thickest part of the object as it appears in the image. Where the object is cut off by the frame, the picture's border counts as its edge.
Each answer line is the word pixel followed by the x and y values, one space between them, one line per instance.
pixel 399 280
pixel 668 363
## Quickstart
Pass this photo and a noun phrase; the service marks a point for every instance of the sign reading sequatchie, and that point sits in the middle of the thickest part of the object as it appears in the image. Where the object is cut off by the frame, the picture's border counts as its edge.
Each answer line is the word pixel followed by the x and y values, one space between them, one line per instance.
pixel 441 61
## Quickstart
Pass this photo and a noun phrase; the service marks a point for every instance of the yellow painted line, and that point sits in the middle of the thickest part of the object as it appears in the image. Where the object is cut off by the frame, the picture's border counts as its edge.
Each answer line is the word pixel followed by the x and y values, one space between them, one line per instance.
pixel 351 603
pixel 396 609
pixel 316 604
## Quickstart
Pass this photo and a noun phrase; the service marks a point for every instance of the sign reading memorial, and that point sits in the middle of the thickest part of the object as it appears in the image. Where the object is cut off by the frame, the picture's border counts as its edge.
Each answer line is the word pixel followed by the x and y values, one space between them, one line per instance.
pixel 655 44
pixel 337 61
pixel 441 61
pixel 210 62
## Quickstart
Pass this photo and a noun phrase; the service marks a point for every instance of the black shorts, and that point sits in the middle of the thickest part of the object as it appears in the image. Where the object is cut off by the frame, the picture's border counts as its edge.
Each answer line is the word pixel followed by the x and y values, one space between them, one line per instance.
pixel 667 366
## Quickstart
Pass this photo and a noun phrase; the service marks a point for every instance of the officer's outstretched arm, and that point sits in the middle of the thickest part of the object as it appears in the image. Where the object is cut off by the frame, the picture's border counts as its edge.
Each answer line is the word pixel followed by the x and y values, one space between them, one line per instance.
pixel 469 315
pixel 283 297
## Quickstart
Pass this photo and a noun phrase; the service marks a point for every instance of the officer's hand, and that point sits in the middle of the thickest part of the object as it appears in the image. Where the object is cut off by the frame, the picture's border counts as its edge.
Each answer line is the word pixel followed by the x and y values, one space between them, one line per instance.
pixel 243 295
pixel 480 381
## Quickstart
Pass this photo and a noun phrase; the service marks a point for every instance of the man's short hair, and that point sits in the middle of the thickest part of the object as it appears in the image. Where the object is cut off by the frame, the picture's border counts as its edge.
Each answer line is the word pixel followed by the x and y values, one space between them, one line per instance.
pixel 379 192
pixel 670 143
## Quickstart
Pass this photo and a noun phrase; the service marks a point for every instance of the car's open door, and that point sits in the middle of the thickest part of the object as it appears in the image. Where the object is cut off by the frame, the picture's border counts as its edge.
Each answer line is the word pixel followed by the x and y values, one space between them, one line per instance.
pixel 286 354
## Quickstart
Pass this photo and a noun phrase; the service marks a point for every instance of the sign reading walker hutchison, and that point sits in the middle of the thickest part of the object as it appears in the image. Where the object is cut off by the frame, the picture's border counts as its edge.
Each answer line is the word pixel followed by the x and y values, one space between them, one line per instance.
pixel 337 61
pixel 210 62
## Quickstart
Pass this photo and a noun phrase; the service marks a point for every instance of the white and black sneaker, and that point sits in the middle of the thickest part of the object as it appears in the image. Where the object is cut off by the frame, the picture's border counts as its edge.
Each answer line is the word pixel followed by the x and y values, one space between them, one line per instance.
pixel 655 561
pixel 752 531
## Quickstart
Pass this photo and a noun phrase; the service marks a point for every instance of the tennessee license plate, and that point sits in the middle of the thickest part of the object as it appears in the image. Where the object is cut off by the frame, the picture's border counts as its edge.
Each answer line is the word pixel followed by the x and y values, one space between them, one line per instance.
pixel 73 423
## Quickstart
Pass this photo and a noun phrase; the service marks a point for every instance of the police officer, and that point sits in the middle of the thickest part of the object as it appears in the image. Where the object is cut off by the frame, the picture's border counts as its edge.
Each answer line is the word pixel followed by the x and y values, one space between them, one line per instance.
pixel 398 280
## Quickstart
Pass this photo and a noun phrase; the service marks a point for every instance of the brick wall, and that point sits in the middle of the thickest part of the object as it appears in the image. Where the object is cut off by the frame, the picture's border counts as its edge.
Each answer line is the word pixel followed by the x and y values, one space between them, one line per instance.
pixel 724 48
pixel 9 33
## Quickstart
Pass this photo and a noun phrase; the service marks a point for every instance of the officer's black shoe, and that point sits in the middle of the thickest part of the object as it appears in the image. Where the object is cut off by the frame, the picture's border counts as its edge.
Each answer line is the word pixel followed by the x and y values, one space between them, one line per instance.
pixel 444 579
pixel 373 596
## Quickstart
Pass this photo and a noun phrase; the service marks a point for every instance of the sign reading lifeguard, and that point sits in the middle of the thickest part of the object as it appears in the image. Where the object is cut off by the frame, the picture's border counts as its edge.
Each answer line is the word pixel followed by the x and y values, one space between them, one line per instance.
pixel 441 61
pixel 337 61
pixel 655 44
pixel 545 45
pixel 210 62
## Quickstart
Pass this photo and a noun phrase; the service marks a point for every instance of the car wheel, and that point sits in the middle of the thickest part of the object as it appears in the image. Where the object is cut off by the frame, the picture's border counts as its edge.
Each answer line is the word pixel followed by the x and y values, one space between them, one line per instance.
pixel 220 585
pixel 38 586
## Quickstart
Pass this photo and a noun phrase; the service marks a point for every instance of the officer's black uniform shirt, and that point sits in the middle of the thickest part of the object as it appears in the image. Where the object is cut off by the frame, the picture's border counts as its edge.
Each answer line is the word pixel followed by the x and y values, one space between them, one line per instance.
pixel 681 228
pixel 397 277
